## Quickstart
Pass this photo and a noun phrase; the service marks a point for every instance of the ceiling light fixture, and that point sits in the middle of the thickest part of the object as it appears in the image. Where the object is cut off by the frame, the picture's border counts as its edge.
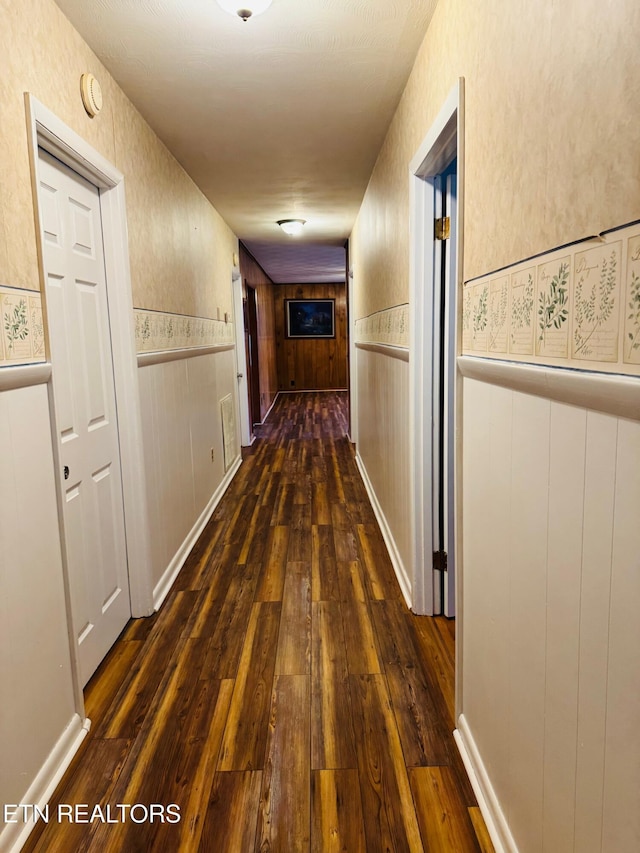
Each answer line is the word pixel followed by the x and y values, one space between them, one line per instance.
pixel 293 227
pixel 245 10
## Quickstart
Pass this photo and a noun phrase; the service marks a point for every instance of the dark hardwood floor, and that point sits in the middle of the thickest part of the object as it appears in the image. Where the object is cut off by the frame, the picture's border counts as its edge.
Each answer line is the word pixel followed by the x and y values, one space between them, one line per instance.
pixel 283 697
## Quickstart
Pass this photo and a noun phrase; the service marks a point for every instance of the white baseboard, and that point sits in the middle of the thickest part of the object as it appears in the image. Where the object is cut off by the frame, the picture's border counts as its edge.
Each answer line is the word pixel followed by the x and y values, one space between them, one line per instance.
pixel 14 835
pixel 161 589
pixel 396 560
pixel 268 412
pixel 488 802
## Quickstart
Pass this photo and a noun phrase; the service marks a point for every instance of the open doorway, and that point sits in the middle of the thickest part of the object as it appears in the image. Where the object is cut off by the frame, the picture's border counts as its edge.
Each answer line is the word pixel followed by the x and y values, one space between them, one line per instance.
pixel 444 368
pixel 251 349
pixel 435 281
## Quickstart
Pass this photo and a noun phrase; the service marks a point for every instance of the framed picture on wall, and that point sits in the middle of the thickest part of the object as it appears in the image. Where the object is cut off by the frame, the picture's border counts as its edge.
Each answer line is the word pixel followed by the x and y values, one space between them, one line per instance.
pixel 310 318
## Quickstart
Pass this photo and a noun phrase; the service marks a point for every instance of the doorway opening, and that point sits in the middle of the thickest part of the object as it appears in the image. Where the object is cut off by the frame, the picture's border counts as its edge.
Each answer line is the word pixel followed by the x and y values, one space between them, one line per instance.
pixel 251 347
pixel 444 360
pixel 436 270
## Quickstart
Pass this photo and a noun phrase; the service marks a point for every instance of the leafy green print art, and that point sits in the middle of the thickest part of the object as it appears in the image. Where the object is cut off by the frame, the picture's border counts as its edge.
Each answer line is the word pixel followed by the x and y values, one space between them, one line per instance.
pixel 498 313
pixel 594 306
pixel 467 310
pixel 522 309
pixel 552 303
pixel 634 314
pixel 146 329
pixel 522 306
pixel 16 324
pixel 480 315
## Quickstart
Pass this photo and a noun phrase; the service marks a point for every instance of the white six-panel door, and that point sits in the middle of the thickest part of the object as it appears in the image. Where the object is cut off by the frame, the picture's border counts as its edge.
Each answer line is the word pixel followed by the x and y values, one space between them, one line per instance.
pixel 85 409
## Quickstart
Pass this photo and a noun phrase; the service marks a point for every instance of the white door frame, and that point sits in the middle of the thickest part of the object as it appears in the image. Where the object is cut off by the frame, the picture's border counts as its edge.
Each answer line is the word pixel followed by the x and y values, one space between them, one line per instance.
pixel 50 133
pixel 246 437
pixel 353 357
pixel 443 141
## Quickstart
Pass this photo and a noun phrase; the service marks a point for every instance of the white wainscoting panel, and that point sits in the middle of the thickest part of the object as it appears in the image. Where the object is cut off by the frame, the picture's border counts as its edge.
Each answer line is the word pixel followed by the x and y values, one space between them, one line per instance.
pixel 38 702
pixel 621 814
pixel 488 449
pixel 383 450
pixel 180 402
pixel 551 644
pixel 527 548
pixel 595 596
pixel 167 456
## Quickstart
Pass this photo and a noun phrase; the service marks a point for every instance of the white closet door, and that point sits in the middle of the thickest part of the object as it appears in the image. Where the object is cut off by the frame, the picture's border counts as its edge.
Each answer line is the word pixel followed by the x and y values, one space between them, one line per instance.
pixel 85 406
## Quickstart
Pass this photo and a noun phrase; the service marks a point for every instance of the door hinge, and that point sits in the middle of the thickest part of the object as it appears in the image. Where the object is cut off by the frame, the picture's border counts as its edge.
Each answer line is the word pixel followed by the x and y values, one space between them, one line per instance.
pixel 442 228
pixel 440 561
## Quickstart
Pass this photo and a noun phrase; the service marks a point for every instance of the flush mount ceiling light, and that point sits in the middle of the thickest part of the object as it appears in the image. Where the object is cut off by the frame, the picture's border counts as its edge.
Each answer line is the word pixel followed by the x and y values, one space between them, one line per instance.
pixel 292 226
pixel 246 10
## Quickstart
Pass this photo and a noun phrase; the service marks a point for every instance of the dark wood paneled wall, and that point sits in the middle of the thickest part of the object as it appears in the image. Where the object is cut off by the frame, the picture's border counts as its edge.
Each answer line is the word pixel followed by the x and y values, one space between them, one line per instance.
pixel 306 365
pixel 253 275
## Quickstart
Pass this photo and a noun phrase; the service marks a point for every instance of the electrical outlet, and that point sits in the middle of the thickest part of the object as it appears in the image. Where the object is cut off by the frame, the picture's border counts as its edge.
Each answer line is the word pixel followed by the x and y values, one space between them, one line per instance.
pixel 212 454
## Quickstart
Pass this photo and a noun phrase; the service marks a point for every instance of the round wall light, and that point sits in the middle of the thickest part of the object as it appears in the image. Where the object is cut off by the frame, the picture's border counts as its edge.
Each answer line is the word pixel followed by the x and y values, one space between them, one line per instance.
pixel 246 10
pixel 293 227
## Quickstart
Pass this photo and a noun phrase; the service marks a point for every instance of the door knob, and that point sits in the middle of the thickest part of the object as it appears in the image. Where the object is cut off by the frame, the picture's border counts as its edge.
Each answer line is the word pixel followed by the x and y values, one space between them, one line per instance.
pixel 66 472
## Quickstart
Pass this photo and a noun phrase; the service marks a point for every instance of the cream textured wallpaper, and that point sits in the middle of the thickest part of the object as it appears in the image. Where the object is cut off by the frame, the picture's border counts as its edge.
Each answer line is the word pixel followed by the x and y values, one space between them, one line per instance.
pixel 181 250
pixel 551 129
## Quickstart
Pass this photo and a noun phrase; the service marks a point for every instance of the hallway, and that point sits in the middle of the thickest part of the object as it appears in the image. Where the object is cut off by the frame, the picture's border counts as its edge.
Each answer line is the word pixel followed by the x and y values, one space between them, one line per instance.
pixel 283 697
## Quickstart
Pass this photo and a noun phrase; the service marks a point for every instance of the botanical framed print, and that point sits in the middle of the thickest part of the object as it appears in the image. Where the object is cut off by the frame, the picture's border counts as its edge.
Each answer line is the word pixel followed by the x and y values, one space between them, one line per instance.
pixel 310 318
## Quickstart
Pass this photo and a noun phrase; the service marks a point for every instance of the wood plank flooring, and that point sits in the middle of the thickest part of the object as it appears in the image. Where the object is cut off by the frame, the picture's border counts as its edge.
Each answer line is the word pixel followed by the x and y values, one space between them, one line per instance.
pixel 283 697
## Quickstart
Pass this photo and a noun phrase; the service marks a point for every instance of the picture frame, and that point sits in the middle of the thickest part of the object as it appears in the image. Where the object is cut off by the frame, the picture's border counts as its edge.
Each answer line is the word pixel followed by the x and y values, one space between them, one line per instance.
pixel 310 318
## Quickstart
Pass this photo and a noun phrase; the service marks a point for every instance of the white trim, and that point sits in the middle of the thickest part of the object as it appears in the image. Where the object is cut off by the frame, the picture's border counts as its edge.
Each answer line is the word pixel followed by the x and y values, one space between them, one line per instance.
pixel 421 391
pixel 610 393
pixel 353 359
pixel 14 835
pixel 161 589
pixel 302 391
pixel 246 431
pixel 401 353
pixel 396 560
pixel 439 146
pixel 48 132
pixel 494 818
pixel 436 151
pixel 268 412
pixel 458 414
pixel 125 366
pixel 24 375
pixel 145 359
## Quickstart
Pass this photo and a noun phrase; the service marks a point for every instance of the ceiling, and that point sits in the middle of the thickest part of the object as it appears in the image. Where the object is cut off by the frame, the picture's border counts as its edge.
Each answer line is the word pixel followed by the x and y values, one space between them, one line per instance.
pixel 278 117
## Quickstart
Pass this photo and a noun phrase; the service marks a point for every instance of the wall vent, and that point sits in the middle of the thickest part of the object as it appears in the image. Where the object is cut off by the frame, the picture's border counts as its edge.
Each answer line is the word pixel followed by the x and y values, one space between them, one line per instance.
pixel 229 435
